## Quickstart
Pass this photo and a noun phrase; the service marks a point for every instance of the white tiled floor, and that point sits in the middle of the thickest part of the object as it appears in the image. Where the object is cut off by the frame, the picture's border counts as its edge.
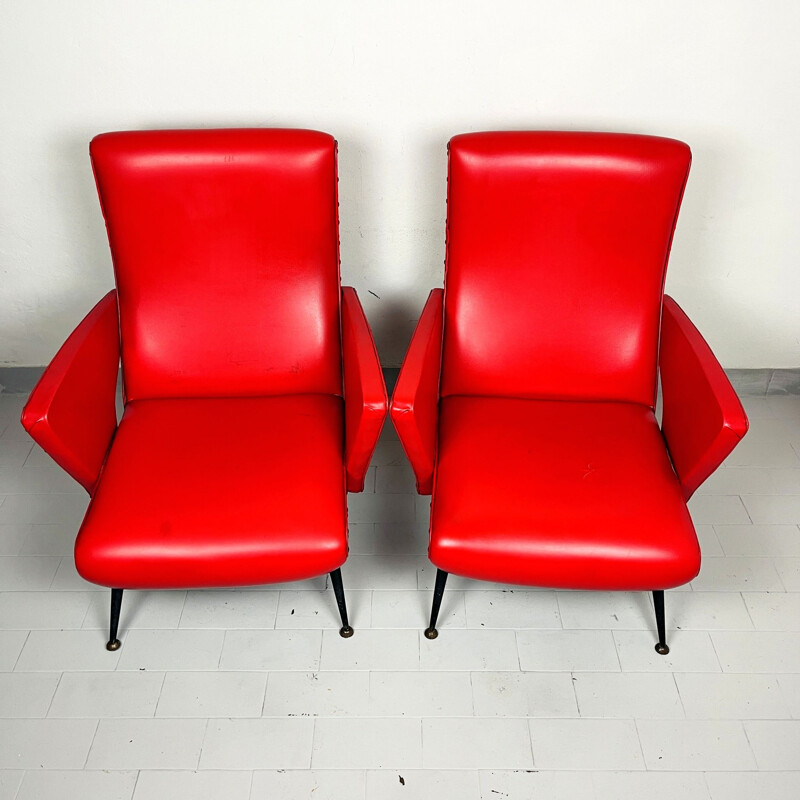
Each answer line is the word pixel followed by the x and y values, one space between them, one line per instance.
pixel 526 693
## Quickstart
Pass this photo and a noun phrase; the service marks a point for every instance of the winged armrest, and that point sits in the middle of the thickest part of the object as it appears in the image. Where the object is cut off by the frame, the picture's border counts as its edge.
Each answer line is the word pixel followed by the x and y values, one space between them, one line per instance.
pixel 415 403
pixel 71 412
pixel 703 419
pixel 364 390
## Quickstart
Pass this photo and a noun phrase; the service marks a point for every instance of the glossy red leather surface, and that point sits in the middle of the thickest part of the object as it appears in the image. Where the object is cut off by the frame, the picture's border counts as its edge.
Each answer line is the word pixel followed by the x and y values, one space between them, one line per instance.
pixel 364 390
pixel 219 492
pixel 557 493
pixel 231 462
pixel 70 414
pixel 225 251
pixel 549 467
pixel 557 245
pixel 415 401
pixel 703 419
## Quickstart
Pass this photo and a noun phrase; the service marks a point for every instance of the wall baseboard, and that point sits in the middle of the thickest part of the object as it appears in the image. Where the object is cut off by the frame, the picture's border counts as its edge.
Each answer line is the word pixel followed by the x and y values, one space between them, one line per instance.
pixel 756 382
pixel 747 382
pixel 19 380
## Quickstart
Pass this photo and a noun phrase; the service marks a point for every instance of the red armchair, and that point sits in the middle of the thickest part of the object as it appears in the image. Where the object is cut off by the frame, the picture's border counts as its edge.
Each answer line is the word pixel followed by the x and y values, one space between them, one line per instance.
pixel 526 402
pixel 253 393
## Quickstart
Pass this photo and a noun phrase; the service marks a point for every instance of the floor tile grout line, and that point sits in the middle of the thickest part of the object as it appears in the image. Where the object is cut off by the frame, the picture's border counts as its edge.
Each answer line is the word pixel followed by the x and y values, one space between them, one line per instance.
pixel 53 580
pixel 313 743
pixel 779 678
pixel 53 698
pixel 160 694
pixel 716 654
pixel 744 506
pixel 250 785
pixel 615 642
pixel 749 744
pixel 221 649
pixel 560 612
pixel 421 744
pixel 28 455
pixel 21 650
pixel 472 692
pixel 529 728
pixel 678 690
pixel 780 577
pixel 262 715
pixel 573 680
pixel 135 784
pixel 319 652
pixel 202 743
pixel 91 744
pixel 747 607
pixel 183 609
pixel 19 788
pixel 399 716
pixel 639 740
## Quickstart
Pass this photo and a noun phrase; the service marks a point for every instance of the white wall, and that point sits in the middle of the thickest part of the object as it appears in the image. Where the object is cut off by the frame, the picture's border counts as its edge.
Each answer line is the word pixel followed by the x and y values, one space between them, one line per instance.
pixel 393 81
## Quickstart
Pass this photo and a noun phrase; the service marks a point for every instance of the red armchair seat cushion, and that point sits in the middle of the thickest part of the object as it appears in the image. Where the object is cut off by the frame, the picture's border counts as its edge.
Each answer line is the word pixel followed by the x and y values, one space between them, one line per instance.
pixel 219 492
pixel 579 495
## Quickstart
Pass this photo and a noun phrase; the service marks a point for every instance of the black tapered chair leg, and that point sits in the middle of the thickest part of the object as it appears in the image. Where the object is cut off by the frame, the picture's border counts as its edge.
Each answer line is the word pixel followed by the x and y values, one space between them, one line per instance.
pixel 116 605
pixel 336 578
pixel 438 591
pixel 658 602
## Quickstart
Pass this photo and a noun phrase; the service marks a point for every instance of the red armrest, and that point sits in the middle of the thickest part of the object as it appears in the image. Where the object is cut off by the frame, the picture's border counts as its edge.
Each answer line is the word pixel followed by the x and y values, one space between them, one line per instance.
pixel 415 403
pixel 703 419
pixel 71 412
pixel 364 390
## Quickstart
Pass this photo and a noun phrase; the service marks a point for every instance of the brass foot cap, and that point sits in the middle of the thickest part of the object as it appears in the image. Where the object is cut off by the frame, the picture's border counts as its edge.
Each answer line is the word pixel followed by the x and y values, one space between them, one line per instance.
pixel 114 644
pixel 431 633
pixel 662 649
pixel 346 632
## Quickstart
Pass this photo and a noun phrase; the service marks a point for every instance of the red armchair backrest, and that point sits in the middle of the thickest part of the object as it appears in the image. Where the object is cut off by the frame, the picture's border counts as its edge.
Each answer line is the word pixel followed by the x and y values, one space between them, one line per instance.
pixel 557 247
pixel 225 249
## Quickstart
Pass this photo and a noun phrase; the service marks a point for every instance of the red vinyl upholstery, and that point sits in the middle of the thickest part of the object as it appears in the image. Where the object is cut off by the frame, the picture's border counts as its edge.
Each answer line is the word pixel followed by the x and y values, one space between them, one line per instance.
pixel 557 245
pixel 415 404
pixel 253 392
pixel 559 493
pixel 71 413
pixel 219 492
pixel 364 390
pixel 526 400
pixel 703 419
pixel 233 231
